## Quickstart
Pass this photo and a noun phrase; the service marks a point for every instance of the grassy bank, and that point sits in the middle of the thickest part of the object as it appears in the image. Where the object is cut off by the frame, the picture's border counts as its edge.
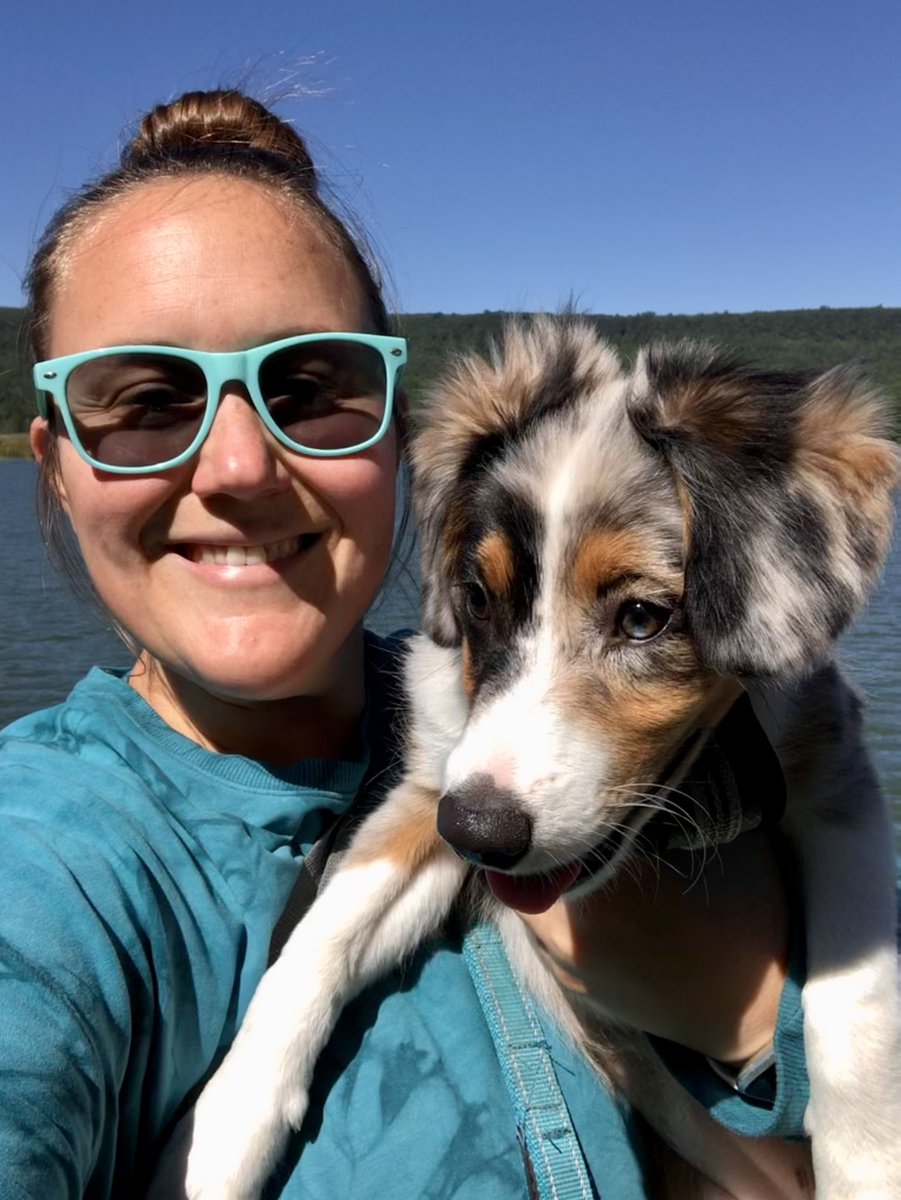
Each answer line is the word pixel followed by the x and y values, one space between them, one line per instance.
pixel 14 445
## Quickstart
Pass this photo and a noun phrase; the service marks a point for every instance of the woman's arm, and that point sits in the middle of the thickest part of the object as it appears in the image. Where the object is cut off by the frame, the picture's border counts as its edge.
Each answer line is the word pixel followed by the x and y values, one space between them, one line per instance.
pixel 64 1025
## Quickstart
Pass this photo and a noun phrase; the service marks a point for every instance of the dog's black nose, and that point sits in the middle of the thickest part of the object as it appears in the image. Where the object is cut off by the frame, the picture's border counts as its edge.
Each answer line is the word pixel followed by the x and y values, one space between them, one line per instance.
pixel 485 824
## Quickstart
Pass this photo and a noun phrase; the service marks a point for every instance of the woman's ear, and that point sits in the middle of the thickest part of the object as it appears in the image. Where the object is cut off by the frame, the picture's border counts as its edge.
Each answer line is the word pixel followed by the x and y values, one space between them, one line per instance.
pixel 47 457
pixel 38 436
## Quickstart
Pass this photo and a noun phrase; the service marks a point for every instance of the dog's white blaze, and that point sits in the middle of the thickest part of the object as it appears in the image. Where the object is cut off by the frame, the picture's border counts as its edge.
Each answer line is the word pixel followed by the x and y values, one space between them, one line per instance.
pixel 435 676
pixel 521 739
pixel 527 746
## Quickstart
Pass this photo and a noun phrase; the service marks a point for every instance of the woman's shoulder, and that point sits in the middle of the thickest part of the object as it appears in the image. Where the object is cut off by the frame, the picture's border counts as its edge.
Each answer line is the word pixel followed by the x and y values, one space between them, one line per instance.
pixel 83 767
pixel 68 760
pixel 90 698
pixel 102 725
pixel 99 794
pixel 80 809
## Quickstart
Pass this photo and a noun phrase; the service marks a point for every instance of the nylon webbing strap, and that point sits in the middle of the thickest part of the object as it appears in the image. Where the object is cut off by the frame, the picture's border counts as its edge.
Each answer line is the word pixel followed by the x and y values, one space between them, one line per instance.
pixel 555 1168
pixel 384 690
pixel 315 871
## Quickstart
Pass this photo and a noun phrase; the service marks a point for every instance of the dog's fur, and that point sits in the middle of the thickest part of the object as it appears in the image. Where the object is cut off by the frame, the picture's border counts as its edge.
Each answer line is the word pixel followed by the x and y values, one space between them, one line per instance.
pixel 605 555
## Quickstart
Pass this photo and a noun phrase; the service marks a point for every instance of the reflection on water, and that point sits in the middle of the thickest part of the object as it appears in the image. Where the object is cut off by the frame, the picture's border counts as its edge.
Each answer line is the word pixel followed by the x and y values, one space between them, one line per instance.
pixel 49 639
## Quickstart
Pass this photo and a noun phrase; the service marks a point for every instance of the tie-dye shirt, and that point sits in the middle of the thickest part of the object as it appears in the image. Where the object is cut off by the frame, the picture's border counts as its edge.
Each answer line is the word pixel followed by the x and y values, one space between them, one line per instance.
pixel 142 878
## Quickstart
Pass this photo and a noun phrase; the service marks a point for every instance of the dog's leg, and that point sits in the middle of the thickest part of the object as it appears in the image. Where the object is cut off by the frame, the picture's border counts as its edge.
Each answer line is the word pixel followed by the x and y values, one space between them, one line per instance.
pixel 851 1011
pixel 841 834
pixel 851 1020
pixel 395 886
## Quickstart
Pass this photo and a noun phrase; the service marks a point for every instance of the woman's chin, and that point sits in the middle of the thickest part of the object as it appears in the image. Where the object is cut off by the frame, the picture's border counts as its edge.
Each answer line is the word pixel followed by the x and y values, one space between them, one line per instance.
pixel 249 679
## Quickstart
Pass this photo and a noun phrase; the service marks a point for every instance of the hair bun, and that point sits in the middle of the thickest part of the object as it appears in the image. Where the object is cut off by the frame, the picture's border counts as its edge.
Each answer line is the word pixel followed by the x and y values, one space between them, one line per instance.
pixel 197 121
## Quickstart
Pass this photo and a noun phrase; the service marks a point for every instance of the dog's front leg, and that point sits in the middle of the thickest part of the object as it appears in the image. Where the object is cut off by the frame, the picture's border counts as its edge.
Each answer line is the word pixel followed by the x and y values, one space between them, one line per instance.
pixel 841 833
pixel 395 886
pixel 851 1020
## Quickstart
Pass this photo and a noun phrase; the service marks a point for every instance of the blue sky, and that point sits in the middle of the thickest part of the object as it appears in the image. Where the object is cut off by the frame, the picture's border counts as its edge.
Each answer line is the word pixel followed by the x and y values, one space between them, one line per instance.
pixel 663 155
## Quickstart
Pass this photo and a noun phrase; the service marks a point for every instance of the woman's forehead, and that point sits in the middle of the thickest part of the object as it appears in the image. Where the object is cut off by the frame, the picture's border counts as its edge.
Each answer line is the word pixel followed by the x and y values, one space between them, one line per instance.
pixel 212 262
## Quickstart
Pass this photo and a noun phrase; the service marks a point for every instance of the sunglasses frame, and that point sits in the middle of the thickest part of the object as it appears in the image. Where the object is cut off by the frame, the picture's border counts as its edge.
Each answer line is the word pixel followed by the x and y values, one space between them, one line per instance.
pixel 219 368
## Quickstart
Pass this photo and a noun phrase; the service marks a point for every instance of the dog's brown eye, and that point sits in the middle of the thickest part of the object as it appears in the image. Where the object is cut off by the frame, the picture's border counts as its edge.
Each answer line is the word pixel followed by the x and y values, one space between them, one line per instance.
pixel 475 598
pixel 640 620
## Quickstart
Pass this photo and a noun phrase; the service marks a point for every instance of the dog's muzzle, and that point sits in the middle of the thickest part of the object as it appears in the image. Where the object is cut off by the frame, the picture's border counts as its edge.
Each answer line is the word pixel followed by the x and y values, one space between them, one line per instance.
pixel 485 824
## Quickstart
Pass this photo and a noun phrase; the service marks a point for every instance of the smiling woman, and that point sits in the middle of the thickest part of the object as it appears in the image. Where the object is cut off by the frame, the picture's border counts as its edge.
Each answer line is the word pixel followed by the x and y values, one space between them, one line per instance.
pixel 271 628
pixel 220 426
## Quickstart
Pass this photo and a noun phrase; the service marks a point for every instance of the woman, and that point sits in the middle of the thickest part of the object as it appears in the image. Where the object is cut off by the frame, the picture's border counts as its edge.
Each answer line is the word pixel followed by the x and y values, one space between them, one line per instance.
pixel 154 824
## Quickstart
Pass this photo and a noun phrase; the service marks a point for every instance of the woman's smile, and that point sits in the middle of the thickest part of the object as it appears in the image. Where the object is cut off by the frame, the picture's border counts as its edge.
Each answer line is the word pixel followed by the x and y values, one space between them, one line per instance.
pixel 238 555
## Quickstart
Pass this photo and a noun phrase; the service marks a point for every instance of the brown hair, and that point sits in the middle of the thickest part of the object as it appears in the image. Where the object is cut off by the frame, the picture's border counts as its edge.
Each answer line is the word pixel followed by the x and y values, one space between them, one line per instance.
pixel 221 132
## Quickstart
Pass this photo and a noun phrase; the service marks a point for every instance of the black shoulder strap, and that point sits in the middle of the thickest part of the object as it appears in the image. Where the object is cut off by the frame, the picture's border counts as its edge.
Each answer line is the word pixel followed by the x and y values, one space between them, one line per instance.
pixel 384 724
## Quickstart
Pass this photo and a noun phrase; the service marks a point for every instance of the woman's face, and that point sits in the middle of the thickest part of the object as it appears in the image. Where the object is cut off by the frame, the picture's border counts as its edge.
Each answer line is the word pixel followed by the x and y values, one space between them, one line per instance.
pixel 224 264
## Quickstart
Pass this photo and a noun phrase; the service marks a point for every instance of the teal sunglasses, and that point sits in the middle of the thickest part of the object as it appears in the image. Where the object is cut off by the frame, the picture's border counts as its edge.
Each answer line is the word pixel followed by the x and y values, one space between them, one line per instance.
pixel 136 410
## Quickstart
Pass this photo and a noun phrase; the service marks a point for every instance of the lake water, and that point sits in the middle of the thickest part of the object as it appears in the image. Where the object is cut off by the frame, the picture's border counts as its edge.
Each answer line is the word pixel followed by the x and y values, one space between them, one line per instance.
pixel 48 639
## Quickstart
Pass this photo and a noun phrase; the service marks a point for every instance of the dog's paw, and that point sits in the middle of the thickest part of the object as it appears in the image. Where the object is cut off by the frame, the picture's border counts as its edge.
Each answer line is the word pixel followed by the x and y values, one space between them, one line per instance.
pixel 241 1124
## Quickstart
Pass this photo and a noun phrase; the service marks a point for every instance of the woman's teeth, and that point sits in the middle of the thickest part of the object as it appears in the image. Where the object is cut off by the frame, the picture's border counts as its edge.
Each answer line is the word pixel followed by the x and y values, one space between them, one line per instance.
pixel 246 556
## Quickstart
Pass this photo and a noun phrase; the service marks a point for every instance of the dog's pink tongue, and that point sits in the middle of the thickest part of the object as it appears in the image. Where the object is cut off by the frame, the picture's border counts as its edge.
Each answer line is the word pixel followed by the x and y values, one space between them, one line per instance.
pixel 532 893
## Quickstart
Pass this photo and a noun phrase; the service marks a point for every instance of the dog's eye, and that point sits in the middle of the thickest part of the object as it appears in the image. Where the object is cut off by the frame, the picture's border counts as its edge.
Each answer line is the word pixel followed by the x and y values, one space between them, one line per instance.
pixel 640 620
pixel 475 600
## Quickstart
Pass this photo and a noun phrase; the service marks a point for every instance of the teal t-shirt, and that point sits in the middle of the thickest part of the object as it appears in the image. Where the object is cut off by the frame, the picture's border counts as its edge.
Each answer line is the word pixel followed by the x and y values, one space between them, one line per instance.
pixel 142 878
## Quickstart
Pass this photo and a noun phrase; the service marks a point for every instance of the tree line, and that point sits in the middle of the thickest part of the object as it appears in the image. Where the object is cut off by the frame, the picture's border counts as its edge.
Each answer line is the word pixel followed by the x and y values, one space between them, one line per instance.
pixel 801 339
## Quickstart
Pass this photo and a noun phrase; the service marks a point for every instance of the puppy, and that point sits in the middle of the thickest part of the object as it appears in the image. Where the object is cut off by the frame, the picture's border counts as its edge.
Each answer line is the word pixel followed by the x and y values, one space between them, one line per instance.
pixel 609 558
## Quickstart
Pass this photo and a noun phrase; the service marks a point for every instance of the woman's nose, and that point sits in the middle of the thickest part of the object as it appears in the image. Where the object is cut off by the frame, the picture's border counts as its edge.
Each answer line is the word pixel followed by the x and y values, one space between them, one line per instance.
pixel 238 457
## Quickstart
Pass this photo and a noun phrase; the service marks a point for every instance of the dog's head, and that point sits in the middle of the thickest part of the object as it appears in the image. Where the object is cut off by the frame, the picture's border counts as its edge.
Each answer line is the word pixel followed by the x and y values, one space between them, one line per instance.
pixel 611 550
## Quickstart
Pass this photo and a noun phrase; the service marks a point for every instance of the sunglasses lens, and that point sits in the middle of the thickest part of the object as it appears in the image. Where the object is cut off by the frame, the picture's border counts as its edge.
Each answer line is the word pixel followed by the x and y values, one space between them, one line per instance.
pixel 136 410
pixel 326 394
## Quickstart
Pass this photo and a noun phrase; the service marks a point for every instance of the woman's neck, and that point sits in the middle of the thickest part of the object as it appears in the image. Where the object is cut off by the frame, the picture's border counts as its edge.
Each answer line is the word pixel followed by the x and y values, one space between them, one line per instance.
pixel 322 723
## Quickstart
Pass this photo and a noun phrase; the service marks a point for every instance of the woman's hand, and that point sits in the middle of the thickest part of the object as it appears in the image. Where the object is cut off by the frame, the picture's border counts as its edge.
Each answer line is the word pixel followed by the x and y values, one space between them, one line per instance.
pixel 693 952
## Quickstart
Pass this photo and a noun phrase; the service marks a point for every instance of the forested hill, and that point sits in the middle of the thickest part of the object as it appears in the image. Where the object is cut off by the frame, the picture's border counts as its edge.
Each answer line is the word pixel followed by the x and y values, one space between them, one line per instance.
pixel 799 339
pixel 805 338
pixel 16 403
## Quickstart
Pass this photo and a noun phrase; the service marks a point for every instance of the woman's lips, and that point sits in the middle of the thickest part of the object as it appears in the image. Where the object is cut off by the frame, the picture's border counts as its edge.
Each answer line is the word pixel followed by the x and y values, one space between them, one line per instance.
pixel 217 554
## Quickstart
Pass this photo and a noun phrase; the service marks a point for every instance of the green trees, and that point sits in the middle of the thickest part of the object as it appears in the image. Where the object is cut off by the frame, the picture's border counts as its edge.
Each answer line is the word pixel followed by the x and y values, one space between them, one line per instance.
pixel 16 402
pixel 804 338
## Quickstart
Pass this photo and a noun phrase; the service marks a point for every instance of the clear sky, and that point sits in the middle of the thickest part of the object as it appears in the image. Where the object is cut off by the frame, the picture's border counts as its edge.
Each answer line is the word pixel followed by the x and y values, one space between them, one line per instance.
pixel 645 155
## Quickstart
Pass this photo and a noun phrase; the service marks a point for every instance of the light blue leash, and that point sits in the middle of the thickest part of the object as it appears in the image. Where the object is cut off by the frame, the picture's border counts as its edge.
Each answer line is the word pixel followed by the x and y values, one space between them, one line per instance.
pixel 553 1158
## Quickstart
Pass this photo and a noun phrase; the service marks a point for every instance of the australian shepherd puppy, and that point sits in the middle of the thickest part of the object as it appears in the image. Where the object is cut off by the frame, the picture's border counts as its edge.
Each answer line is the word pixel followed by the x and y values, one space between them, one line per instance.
pixel 610 557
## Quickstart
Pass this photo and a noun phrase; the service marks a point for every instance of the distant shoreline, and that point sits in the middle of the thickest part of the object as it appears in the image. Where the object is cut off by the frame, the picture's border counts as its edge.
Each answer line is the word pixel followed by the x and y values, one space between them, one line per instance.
pixel 15 445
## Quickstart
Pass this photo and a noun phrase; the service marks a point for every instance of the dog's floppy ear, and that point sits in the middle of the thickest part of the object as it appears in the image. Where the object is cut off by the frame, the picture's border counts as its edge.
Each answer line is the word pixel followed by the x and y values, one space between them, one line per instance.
pixel 475 414
pixel 462 421
pixel 786 481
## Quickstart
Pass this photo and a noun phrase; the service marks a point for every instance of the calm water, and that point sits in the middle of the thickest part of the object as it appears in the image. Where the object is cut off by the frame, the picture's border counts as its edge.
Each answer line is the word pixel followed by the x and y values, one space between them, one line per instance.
pixel 49 639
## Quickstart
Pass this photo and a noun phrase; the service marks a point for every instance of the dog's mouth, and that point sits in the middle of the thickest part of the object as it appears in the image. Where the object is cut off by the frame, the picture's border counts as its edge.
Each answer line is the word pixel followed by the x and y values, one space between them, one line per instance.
pixel 536 893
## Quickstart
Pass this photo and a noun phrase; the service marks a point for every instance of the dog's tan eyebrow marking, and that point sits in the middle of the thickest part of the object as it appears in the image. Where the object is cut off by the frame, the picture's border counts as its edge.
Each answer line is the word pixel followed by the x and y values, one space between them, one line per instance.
pixel 618 582
pixel 607 559
pixel 495 560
